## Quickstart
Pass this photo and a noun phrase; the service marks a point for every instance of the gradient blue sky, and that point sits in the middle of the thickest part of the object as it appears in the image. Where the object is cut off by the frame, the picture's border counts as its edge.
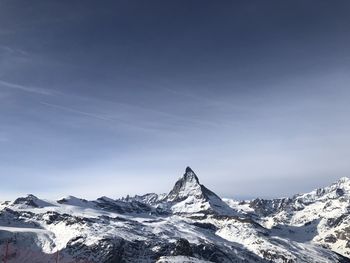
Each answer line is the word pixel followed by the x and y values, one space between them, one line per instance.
pixel 118 97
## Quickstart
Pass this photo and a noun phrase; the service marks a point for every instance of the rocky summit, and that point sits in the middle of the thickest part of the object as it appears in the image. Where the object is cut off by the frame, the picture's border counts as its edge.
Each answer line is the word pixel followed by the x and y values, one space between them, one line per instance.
pixel 189 224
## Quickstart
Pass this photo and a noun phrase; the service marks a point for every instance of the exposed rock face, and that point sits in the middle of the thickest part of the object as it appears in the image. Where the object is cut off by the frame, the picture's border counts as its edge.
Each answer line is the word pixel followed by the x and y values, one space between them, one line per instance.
pixel 31 201
pixel 189 196
pixel 321 216
pixel 190 224
pixel 266 207
pixel 187 185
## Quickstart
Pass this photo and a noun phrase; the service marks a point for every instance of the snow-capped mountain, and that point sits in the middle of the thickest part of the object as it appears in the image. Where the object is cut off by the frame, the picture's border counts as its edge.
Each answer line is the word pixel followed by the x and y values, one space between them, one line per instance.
pixel 321 216
pixel 189 196
pixel 189 224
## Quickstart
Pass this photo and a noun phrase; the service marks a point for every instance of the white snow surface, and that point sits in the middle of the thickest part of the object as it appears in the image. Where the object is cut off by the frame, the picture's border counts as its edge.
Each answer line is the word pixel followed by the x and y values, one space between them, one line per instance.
pixel 181 259
pixel 298 232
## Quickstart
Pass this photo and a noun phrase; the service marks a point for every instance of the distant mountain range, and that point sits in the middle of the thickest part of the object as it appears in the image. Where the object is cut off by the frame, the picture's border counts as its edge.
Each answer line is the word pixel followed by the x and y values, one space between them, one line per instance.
pixel 189 224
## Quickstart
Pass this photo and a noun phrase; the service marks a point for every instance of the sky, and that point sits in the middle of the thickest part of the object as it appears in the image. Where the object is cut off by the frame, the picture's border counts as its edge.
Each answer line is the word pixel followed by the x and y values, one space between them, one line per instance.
pixel 118 97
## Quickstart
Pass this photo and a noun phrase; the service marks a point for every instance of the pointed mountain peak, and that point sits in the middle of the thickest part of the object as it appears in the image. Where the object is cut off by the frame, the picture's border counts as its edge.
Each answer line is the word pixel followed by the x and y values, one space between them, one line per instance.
pixel 190 175
pixel 189 196
pixel 188 170
pixel 186 186
pixel 32 197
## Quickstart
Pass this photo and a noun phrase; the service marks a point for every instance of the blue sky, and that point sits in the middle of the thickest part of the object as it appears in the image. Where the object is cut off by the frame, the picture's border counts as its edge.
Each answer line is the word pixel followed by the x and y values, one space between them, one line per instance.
pixel 118 98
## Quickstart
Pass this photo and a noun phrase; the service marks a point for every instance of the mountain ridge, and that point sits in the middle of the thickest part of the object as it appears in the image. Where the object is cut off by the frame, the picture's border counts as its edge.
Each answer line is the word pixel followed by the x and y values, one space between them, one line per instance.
pixel 189 223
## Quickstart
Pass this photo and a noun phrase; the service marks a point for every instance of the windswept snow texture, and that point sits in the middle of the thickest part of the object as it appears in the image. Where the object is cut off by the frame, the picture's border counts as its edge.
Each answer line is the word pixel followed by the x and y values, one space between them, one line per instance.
pixel 190 224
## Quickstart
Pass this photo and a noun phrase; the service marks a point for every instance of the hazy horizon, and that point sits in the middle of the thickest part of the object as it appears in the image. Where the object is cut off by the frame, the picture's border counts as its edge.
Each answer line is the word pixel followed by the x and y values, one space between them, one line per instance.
pixel 234 197
pixel 118 98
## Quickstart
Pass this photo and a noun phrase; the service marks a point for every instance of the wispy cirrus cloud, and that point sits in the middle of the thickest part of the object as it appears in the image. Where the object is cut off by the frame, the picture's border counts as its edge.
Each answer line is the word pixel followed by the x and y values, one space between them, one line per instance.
pixel 101 117
pixel 88 114
pixel 24 88
pixel 12 51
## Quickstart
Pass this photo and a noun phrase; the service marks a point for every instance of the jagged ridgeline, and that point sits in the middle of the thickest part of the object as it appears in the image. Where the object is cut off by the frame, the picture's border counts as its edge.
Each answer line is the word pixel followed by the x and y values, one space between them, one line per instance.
pixel 189 224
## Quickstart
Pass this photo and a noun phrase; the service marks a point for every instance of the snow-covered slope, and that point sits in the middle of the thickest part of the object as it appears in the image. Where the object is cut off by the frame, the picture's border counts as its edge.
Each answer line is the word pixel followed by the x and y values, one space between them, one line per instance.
pixel 189 196
pixel 321 216
pixel 190 224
